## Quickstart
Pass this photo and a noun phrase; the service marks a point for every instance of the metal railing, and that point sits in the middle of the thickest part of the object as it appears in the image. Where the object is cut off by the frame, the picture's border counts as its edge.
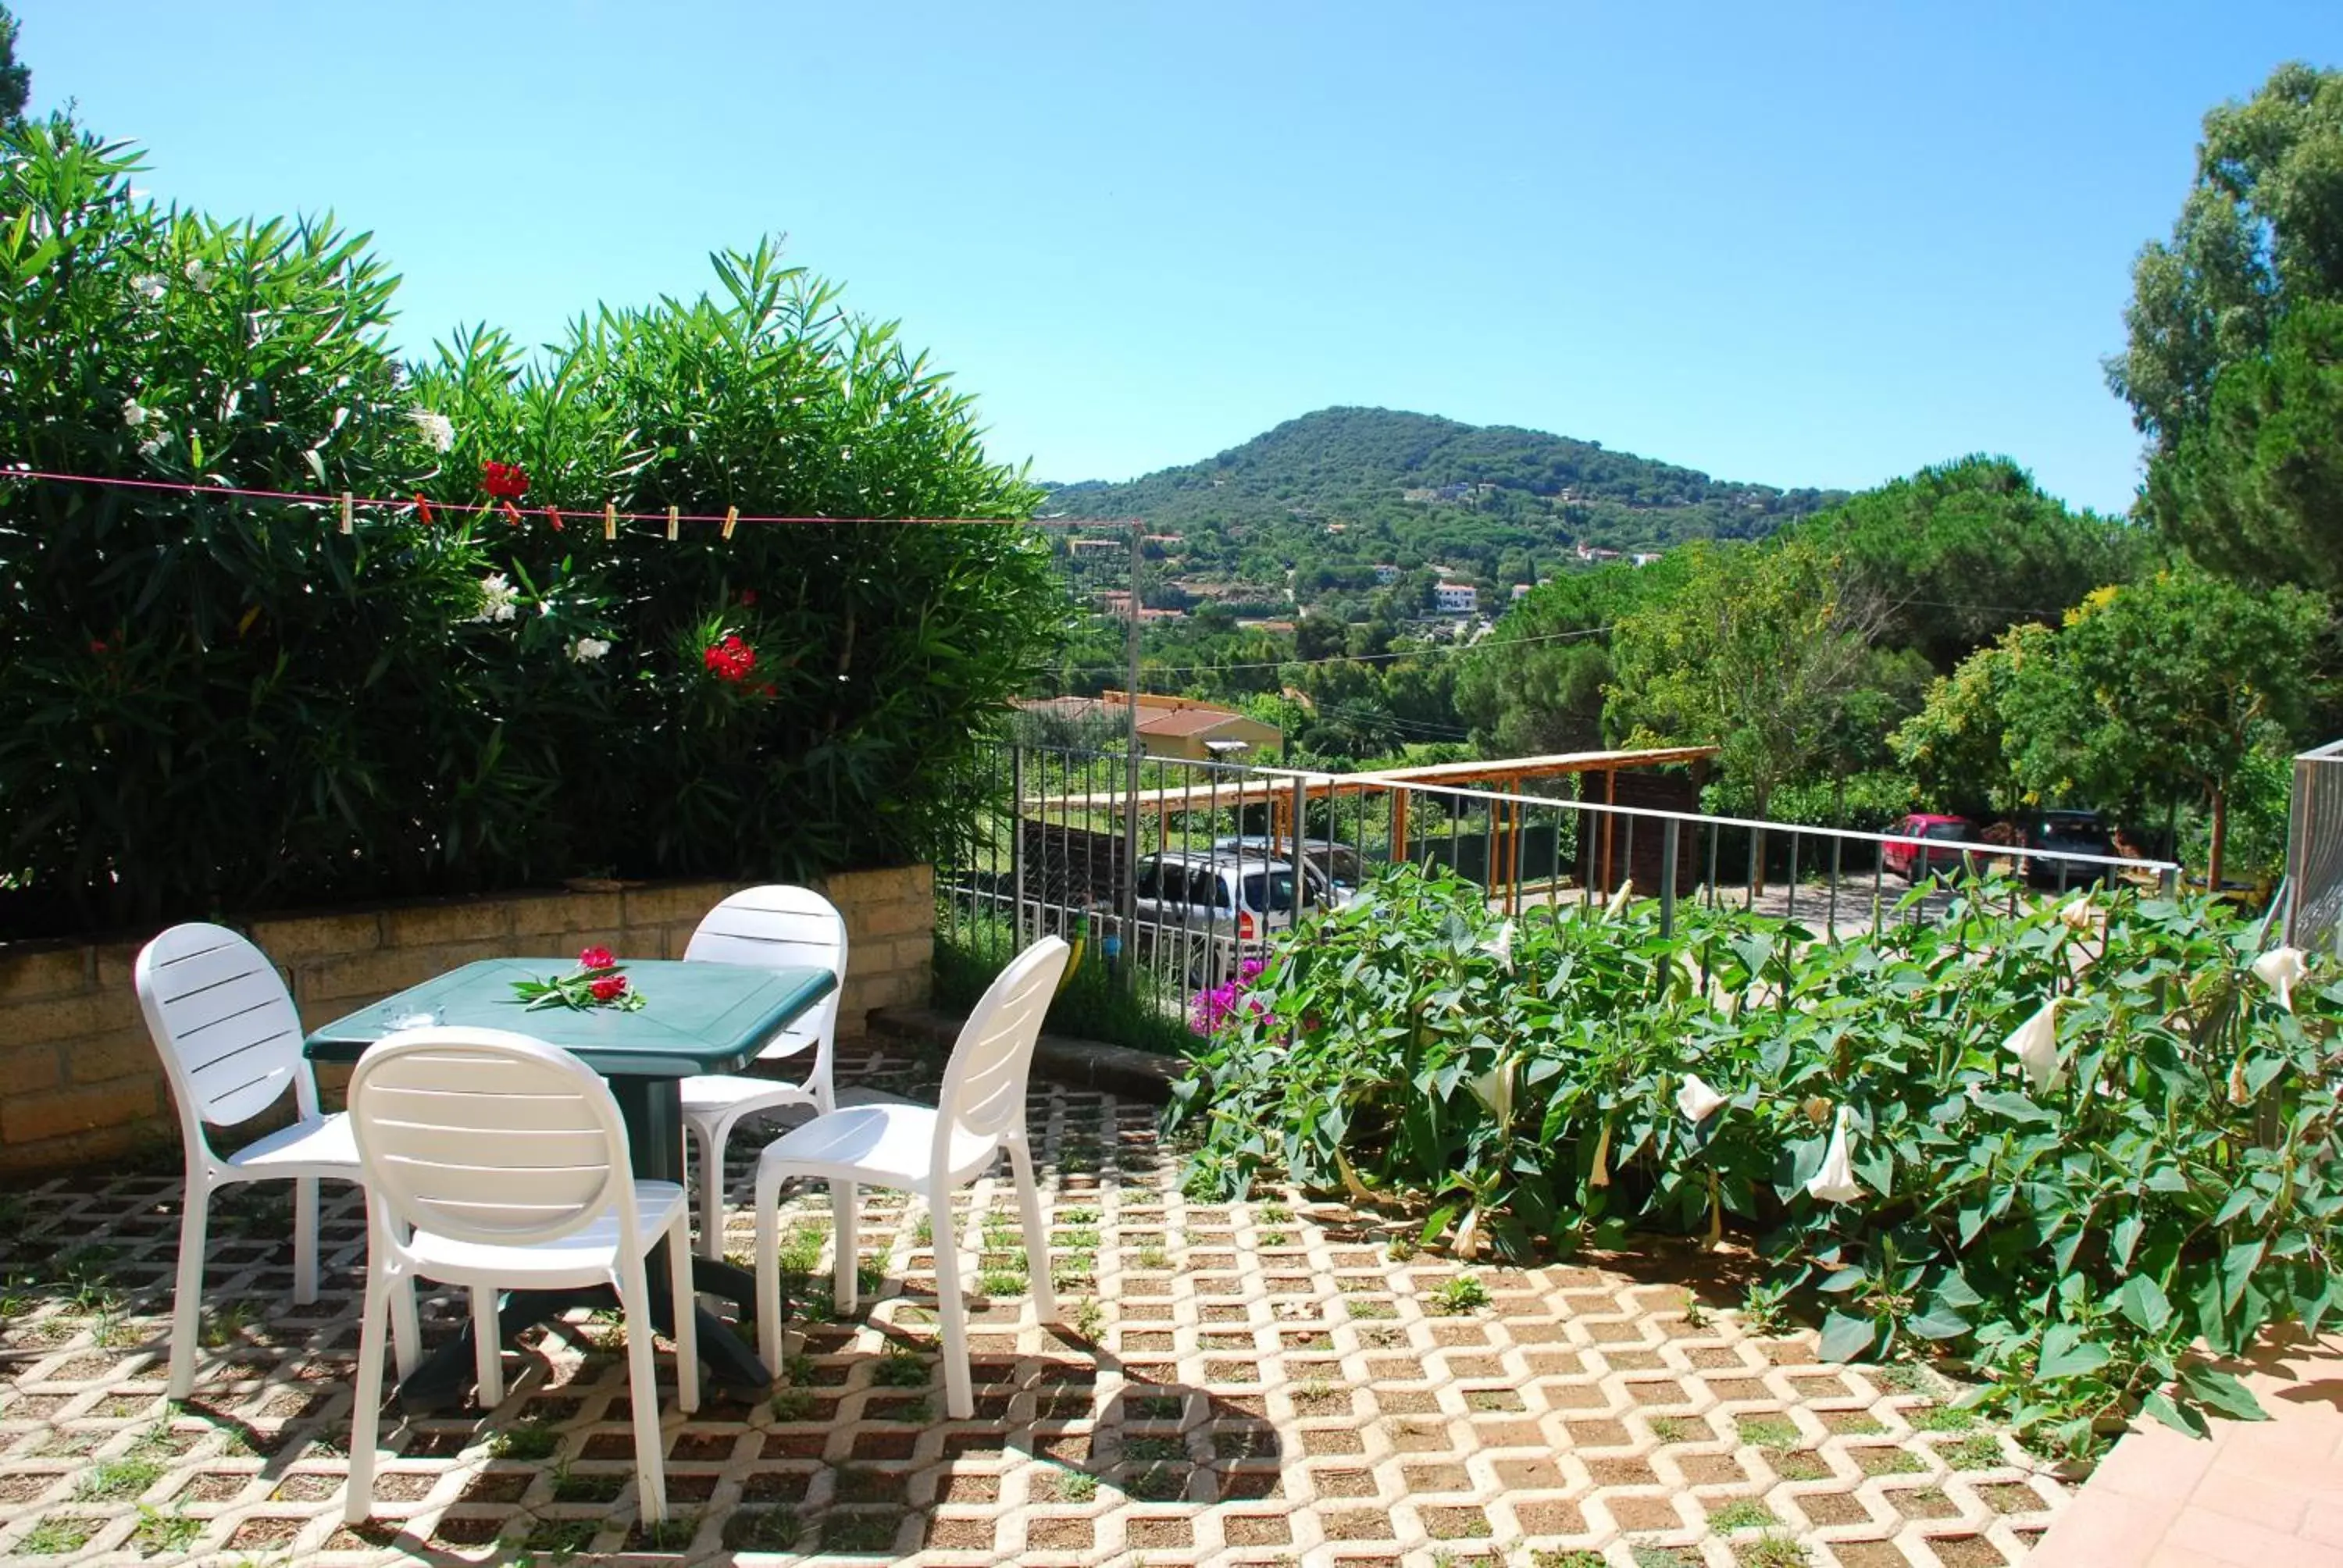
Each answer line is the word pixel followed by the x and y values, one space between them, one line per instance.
pixel 2314 850
pixel 1175 864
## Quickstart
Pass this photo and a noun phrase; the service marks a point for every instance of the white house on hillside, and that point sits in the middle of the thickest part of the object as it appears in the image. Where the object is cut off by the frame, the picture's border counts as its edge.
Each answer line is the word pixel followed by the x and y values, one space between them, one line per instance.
pixel 1456 599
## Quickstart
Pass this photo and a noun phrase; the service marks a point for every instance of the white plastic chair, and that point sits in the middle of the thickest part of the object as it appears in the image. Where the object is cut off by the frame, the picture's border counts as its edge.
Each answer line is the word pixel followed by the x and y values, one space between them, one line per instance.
pixel 766 928
pixel 928 1152
pixel 230 1042
pixel 494 1159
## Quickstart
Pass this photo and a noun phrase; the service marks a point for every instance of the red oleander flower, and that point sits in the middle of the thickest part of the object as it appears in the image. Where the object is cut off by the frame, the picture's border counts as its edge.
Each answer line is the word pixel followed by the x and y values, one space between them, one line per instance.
pixel 729 659
pixel 596 958
pixel 610 988
pixel 506 481
pixel 749 597
pixel 95 646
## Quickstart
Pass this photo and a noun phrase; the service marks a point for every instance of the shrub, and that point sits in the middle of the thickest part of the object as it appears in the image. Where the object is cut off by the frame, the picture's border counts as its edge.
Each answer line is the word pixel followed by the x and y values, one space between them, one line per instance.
pixel 1094 1005
pixel 2177 1179
pixel 223 703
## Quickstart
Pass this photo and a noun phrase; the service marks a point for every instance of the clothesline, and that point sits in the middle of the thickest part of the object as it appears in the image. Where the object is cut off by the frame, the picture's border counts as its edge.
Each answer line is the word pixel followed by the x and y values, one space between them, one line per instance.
pixel 419 504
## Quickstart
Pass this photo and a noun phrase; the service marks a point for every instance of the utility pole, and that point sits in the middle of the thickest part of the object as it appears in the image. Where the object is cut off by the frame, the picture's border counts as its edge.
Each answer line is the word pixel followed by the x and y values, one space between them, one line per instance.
pixel 1130 771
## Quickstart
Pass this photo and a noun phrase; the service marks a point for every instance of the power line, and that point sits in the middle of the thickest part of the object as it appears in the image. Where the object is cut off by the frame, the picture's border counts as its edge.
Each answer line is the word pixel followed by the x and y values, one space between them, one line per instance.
pixel 1341 658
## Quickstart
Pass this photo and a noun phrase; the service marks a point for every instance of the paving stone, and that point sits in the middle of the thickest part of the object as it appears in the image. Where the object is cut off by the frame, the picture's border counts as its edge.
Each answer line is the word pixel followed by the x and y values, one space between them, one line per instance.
pixel 1253 1383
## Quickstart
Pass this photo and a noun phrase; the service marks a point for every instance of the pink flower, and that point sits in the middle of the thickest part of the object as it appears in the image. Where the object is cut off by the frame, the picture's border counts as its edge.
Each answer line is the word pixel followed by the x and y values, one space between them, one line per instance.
pixel 596 958
pixel 610 988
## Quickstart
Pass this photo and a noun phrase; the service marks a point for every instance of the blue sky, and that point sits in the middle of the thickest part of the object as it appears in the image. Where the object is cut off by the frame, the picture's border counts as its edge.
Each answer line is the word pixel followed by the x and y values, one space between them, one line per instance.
pixel 1806 243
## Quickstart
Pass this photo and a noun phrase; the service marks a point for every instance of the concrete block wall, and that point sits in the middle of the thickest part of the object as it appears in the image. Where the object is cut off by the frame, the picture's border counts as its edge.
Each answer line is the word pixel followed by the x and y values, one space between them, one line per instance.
pixel 80 1081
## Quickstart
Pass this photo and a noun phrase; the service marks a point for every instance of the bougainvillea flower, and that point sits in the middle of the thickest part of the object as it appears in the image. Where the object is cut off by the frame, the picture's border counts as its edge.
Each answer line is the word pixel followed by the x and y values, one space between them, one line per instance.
pixel 596 958
pixel 610 988
pixel 505 480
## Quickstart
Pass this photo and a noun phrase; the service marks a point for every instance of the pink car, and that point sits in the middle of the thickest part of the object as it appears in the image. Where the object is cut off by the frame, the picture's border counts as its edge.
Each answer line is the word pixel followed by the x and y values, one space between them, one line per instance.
pixel 1917 854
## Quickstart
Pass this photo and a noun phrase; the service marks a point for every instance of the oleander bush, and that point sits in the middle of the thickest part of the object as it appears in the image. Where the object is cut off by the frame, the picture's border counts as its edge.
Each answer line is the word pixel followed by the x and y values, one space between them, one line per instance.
pixel 2159 1167
pixel 219 704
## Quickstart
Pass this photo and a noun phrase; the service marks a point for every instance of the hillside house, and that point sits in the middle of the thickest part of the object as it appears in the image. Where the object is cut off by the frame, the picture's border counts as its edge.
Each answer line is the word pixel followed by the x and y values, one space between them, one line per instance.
pixel 1172 727
pixel 1455 598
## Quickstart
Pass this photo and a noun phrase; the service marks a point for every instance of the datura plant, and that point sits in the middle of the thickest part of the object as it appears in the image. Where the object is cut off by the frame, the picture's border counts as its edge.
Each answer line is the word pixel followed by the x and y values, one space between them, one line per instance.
pixel 2079 1144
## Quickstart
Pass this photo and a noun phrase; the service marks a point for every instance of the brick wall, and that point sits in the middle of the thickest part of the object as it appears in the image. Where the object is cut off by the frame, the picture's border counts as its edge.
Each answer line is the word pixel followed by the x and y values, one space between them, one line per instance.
pixel 80 1081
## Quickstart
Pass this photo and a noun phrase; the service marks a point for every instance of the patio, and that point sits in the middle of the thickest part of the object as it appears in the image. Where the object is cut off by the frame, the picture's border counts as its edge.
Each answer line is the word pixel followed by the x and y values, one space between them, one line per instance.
pixel 1253 1383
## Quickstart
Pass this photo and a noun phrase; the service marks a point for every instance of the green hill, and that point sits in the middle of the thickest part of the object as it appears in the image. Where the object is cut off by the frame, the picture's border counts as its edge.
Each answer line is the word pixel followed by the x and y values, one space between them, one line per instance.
pixel 1346 487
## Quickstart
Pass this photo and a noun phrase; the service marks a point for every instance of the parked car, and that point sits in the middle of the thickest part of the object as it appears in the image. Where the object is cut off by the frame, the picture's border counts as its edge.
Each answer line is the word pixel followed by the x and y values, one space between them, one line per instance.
pixel 1916 853
pixel 1340 864
pixel 1210 903
pixel 2072 832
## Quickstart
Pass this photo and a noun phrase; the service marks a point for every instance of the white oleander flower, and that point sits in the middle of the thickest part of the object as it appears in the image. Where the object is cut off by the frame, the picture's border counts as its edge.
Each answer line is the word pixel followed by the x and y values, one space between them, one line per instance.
pixel 200 276
pixel 437 428
pixel 498 599
pixel 586 649
pixel 2281 969
pixel 1500 947
pixel 1697 1100
pixel 152 445
pixel 134 413
pixel 148 284
pixel 2035 1043
pixel 1834 1182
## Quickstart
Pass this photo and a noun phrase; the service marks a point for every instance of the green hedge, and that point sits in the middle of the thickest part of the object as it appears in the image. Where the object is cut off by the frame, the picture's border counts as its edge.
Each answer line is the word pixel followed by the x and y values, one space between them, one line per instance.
pixel 215 704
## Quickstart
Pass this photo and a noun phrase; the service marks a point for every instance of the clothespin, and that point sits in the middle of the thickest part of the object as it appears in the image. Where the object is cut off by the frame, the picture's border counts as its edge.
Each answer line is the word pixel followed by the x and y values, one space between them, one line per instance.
pixel 671 524
pixel 731 517
pixel 349 524
pixel 609 519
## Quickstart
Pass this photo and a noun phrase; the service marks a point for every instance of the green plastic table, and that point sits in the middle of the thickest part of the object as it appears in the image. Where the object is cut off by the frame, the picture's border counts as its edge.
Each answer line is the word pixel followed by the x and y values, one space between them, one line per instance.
pixel 697 1017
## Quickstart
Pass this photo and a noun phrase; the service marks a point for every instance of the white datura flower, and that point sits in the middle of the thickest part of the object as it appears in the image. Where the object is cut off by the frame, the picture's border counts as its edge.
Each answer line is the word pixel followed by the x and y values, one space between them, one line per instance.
pixel 2281 969
pixel 2077 912
pixel 1500 947
pixel 586 649
pixel 1834 1182
pixel 1697 1100
pixel 2035 1043
pixel 1494 1089
pixel 437 428
pixel 1618 900
pixel 500 601
pixel 1601 1175
pixel 1467 1244
pixel 134 413
pixel 152 287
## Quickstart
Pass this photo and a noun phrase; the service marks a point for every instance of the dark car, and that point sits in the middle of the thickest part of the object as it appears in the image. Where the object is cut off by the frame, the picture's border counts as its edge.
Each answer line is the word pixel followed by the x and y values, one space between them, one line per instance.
pixel 2070 833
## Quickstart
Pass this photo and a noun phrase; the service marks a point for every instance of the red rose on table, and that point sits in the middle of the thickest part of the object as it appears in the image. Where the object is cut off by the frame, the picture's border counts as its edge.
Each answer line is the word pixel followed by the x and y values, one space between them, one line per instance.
pixel 610 988
pixel 596 958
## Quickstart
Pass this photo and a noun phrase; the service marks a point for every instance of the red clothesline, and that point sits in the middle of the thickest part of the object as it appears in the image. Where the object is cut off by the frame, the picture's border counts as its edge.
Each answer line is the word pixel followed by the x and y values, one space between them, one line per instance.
pixel 413 503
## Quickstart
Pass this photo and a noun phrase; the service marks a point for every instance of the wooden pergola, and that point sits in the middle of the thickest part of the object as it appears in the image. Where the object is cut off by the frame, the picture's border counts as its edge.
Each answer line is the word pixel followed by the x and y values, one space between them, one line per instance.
pixel 1283 791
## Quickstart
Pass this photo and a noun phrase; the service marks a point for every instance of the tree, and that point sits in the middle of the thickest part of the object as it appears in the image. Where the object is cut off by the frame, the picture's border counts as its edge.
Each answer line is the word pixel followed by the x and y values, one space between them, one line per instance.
pixel 1957 747
pixel 1963 550
pixel 1758 653
pixel 2260 233
pixel 15 80
pixel 2257 489
pixel 2162 688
